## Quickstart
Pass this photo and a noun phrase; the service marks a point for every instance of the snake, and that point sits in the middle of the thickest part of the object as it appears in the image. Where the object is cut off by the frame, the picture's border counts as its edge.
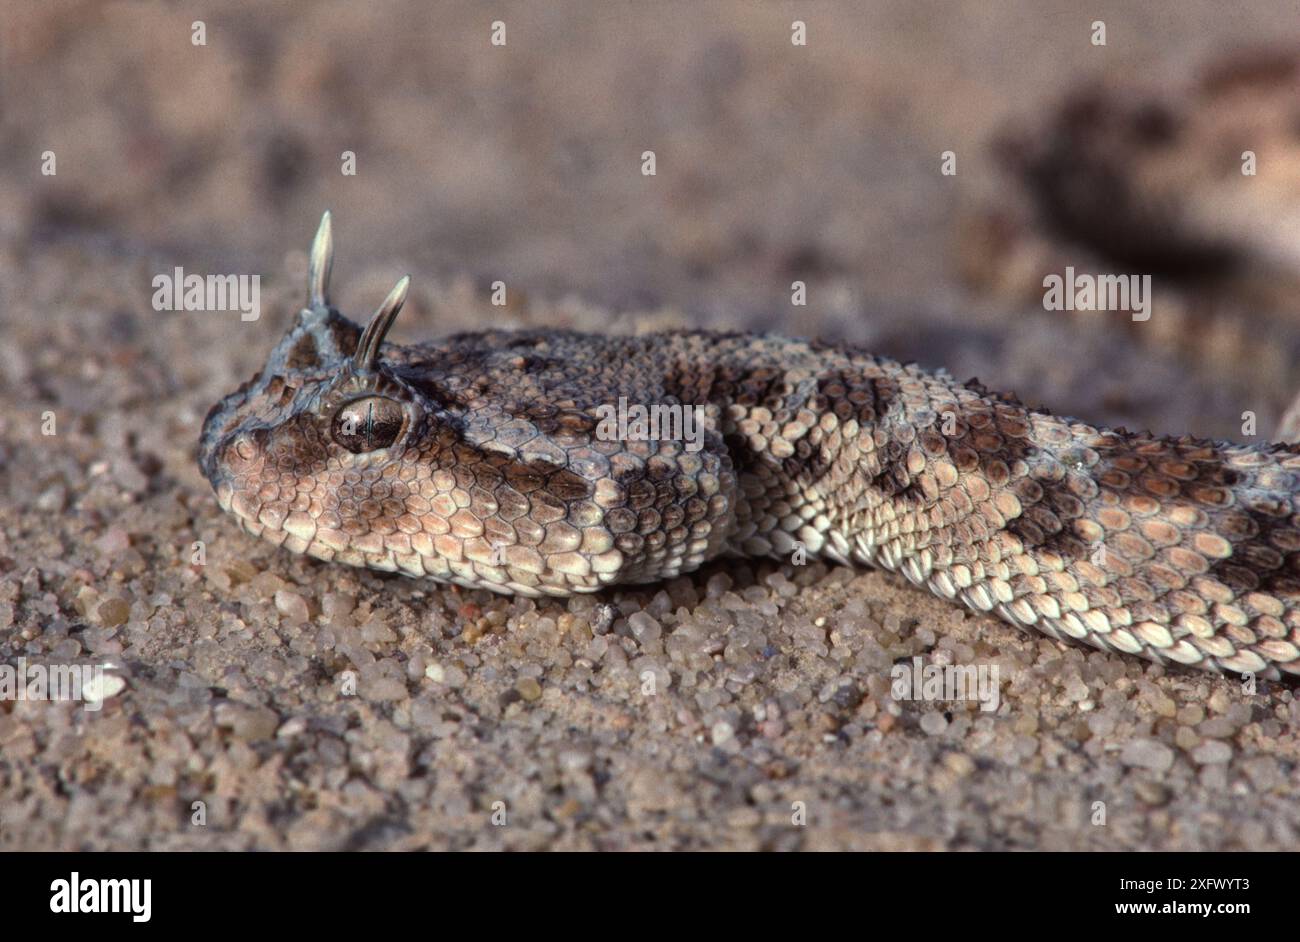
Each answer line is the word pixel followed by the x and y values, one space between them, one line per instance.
pixel 487 460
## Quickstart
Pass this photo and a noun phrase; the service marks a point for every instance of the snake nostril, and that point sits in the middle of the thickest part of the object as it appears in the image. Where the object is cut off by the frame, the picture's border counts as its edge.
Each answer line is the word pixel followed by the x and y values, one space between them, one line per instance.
pixel 246 446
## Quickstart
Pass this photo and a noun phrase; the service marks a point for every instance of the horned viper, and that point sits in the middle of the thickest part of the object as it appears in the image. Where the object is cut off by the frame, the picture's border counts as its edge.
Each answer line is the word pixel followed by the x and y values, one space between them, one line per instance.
pixel 477 459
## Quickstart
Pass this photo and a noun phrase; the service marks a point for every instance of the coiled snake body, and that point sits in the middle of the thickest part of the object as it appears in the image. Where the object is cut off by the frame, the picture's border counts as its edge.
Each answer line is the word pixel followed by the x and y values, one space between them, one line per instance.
pixel 478 459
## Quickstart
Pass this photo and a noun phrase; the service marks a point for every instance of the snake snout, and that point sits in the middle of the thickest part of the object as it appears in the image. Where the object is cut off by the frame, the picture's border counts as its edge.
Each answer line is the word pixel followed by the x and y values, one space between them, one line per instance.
pixel 224 456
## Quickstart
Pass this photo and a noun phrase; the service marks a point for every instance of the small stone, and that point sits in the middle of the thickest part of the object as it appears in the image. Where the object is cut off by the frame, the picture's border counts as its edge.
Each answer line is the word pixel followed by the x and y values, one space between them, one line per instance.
pixel 101 687
pixel 1239 714
pixel 959 763
pixel 529 689
pixel 293 727
pixel 115 540
pixel 384 689
pixel 87 601
pixel 1219 702
pixel 567 810
pixel 247 722
pixel 1026 724
pixel 1212 752
pixel 718 585
pixel 377 632
pixel 337 605
pixel 129 476
pixel 933 724
pixel 241 570
pixel 1147 754
pixel 644 627
pixel 602 618
pixel 1164 706
pixel 574 760
pixel 1151 793
pixel 722 732
pixel 454 676
pixel 292 606
pixel 1216 727
pixel 53 499
pixel 113 612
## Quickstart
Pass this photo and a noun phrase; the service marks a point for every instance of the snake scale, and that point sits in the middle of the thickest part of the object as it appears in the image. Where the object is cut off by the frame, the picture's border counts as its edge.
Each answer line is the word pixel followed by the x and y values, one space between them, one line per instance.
pixel 477 459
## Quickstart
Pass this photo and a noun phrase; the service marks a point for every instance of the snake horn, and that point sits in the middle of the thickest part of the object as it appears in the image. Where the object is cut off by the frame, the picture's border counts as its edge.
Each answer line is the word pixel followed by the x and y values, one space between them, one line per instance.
pixel 367 354
pixel 322 260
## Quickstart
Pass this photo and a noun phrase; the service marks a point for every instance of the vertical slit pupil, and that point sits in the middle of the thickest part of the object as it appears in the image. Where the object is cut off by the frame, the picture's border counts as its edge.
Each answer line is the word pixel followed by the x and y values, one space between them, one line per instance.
pixel 368 424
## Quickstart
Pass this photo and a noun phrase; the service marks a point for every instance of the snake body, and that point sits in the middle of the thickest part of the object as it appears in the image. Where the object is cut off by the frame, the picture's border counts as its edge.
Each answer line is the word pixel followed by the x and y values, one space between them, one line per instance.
pixel 478 459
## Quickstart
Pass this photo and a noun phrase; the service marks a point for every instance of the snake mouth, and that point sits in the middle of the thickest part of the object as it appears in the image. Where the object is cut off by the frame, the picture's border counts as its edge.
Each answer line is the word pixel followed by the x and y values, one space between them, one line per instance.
pixel 252 522
pixel 297 534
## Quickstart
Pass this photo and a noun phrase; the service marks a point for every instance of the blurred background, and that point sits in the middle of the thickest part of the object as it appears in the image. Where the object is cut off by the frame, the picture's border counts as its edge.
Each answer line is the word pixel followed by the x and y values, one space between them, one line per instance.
pixel 522 163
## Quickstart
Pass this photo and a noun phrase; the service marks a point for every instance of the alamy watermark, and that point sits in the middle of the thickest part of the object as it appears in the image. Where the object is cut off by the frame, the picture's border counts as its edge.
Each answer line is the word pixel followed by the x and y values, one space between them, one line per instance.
pixel 944 682
pixel 85 682
pixel 79 894
pixel 638 423
pixel 1086 292
pixel 181 292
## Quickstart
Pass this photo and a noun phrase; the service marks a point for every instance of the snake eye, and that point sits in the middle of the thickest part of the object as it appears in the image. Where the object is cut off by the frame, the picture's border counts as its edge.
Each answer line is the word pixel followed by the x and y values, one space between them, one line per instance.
pixel 368 424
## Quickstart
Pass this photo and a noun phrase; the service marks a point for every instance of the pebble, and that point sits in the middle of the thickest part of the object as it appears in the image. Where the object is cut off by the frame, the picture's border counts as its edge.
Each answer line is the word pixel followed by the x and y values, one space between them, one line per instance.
pixel 959 763
pixel 1151 793
pixel 102 687
pixel 1164 706
pixel 644 627
pixel 529 689
pixel 1212 752
pixel 1147 754
pixel 1076 691
pixel 1026 724
pixel 113 612
pixel 1239 714
pixel 1217 727
pixel 384 689
pixel 933 724
pixel 252 723
pixel 292 727
pixel 53 499
pixel 292 606
pixel 336 605
pixel 602 617
pixel 115 540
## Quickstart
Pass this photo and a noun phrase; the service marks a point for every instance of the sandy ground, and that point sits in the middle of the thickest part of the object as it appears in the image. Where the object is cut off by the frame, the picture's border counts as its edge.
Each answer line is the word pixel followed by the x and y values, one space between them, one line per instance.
pixel 748 706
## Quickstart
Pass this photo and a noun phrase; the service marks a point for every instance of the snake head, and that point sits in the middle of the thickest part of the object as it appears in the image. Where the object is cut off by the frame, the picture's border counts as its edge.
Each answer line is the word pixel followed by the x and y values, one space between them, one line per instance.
pixel 309 452
pixel 476 459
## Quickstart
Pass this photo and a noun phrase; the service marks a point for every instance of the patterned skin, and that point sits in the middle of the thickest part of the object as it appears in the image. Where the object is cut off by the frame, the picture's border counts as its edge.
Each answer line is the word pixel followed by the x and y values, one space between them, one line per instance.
pixel 479 460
